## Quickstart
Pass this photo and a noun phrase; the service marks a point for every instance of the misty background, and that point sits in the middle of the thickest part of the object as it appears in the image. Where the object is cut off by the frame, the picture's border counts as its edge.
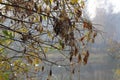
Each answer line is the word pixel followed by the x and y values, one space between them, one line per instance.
pixel 106 13
pixel 104 60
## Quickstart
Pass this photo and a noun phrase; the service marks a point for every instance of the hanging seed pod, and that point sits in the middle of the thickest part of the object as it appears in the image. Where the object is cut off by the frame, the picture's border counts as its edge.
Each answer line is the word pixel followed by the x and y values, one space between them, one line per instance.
pixel 82 38
pixel 47 10
pixel 85 59
pixel 73 71
pixel 42 68
pixel 78 12
pixel 71 56
pixel 95 34
pixel 41 19
pixel 50 73
pixel 79 58
pixel 55 8
pixel 76 51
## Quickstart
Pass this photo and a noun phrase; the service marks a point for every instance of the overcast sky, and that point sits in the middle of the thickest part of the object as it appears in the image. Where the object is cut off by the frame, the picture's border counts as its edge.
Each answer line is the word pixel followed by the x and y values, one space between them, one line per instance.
pixel 107 14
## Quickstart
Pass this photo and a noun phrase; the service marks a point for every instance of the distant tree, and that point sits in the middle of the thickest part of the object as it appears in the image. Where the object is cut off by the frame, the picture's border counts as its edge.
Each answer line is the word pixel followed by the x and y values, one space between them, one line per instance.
pixel 113 49
pixel 30 29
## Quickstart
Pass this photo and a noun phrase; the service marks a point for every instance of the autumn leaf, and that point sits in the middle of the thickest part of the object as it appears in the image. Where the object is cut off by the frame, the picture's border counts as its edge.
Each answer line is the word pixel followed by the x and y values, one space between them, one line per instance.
pixel 2 77
pixel 23 29
pixel 79 58
pixel 117 72
pixel 51 1
pixel 85 59
pixel 39 9
pixel 50 73
pixel 95 34
pixel 42 68
pixel 82 38
pixel 36 61
pixel 48 9
pixel 0 1
pixel 73 71
pixel 71 56
pixel 75 52
pixel 73 1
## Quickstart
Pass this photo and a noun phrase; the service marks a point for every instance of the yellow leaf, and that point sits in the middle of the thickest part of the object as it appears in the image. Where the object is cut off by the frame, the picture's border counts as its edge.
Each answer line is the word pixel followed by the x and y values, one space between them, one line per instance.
pixel 23 29
pixel 39 9
pixel 2 77
pixel 82 4
pixel 36 61
pixel 49 34
pixel 0 1
pixel 8 42
pixel 117 72
pixel 73 1
pixel 36 19
pixel 51 1
pixel 46 49
pixel 47 9
pixel 1 50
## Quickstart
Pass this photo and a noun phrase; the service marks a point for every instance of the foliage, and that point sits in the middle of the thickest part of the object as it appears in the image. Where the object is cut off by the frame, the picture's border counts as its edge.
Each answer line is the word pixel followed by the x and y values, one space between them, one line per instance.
pixel 113 49
pixel 31 29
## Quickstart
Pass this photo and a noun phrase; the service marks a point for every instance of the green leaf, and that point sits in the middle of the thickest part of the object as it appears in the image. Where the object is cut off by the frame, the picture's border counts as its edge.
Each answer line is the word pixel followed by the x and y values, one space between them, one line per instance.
pixel 5 32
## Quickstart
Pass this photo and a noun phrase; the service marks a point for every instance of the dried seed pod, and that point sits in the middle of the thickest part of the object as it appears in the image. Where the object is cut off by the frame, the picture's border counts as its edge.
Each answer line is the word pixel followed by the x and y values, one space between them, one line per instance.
pixel 87 24
pixel 41 19
pixel 55 8
pixel 50 73
pixel 76 51
pixel 42 68
pixel 95 34
pixel 82 38
pixel 71 56
pixel 78 12
pixel 85 59
pixel 73 71
pixel 79 58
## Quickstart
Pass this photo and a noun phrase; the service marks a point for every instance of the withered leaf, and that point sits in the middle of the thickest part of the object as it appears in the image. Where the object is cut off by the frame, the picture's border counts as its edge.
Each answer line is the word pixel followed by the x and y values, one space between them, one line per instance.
pixel 78 12
pixel 85 59
pixel 73 71
pixel 55 8
pixel 79 58
pixel 95 34
pixel 50 73
pixel 29 59
pixel 42 68
pixel 70 58
pixel 92 40
pixel 87 53
pixel 82 38
pixel 36 7
pixel 87 25
pixel 76 51
pixel 41 19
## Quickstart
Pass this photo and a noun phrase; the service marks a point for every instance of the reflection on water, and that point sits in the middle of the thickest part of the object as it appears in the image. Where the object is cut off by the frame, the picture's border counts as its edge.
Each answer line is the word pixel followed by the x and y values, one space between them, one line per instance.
pixel 100 66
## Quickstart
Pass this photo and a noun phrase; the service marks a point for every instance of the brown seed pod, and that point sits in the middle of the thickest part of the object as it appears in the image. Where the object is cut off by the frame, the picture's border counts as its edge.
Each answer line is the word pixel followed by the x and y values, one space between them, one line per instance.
pixel 50 73
pixel 85 59
pixel 79 58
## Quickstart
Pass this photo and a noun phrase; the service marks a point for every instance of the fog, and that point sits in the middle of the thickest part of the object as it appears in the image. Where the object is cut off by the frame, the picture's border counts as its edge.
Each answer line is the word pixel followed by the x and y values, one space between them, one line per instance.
pixel 106 13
